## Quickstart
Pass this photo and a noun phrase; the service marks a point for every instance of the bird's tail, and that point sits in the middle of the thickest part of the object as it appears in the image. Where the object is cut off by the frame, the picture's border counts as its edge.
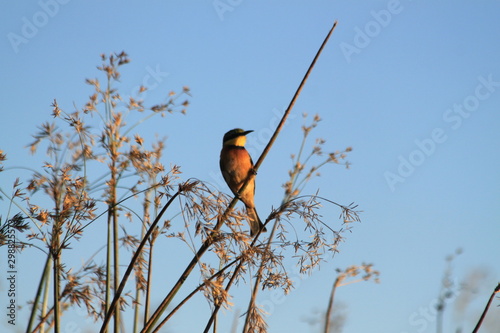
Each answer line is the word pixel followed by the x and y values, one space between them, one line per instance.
pixel 254 221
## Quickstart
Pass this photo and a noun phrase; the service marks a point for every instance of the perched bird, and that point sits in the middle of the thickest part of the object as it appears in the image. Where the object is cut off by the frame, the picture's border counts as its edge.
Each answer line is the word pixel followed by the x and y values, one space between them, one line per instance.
pixel 235 165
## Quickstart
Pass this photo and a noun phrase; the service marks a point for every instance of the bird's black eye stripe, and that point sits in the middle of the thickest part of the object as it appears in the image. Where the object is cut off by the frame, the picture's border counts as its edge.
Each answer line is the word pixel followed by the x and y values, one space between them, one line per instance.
pixel 231 136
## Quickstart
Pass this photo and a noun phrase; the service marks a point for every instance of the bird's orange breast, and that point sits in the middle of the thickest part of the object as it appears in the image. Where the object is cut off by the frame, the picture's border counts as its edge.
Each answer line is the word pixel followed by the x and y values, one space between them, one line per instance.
pixel 235 164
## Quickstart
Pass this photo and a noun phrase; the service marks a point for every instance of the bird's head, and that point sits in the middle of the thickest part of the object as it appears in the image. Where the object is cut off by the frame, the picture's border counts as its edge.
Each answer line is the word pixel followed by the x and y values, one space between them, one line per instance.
pixel 235 137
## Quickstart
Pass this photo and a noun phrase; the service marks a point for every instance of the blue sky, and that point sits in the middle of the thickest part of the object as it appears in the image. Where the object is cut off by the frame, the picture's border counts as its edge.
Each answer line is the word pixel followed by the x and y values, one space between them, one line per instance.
pixel 412 86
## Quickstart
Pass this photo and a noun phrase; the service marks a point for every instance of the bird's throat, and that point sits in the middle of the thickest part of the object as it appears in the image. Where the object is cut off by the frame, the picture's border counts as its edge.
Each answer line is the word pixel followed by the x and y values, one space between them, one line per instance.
pixel 238 141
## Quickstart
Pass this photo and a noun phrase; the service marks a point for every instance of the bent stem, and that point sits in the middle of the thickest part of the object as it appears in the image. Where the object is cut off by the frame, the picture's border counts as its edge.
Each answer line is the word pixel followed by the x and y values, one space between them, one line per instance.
pixel 137 253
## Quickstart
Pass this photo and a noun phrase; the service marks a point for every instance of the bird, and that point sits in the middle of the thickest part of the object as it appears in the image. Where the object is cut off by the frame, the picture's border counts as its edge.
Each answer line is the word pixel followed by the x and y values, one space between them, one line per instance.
pixel 235 165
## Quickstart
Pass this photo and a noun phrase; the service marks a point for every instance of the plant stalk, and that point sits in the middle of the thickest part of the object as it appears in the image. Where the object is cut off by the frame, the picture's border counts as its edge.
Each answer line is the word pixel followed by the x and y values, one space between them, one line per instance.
pixel 483 315
pixel 328 315
pixel 41 285
pixel 130 267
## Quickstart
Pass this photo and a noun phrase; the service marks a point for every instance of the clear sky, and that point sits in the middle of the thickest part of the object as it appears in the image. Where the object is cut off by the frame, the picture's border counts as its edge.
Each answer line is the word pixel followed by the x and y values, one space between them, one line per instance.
pixel 412 86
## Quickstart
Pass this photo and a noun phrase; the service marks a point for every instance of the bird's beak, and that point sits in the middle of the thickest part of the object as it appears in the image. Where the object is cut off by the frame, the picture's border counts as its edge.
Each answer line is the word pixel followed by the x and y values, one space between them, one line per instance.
pixel 247 132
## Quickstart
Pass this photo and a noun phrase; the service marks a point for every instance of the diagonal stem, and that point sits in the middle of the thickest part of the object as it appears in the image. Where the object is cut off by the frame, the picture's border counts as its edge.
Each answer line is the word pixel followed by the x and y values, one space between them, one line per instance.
pixel 258 278
pixel 268 147
pixel 294 99
pixel 497 290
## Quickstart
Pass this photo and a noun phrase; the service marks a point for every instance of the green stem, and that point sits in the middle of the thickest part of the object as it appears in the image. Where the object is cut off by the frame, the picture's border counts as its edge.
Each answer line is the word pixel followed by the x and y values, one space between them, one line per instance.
pixel 138 293
pixel 57 310
pixel 149 281
pixel 45 299
pixel 108 263
pixel 55 252
pixel 41 284
pixel 116 265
